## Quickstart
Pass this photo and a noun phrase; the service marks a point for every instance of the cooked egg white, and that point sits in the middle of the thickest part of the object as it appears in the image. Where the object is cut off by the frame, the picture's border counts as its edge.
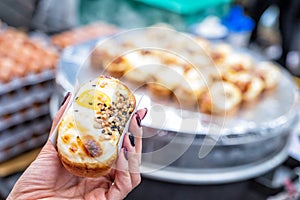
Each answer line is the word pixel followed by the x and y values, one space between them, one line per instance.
pixel 78 123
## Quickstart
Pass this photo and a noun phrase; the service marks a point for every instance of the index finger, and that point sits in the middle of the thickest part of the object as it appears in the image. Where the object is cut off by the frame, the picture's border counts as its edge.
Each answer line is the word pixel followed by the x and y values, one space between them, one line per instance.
pixel 136 129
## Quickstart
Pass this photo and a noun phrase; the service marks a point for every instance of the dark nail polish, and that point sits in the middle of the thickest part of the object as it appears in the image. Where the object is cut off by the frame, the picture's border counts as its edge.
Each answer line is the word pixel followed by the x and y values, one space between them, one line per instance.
pixel 125 153
pixel 138 120
pixel 65 98
pixel 131 138
pixel 145 113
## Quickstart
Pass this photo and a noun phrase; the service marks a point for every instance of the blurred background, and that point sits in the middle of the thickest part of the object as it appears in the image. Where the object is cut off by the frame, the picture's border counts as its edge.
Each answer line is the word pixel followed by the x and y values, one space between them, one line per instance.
pixel 35 33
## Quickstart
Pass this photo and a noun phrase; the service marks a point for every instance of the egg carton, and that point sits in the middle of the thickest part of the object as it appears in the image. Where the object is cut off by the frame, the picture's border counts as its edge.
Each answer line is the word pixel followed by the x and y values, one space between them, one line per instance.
pixel 24 137
pixel 22 147
pixel 25 97
pixel 29 113
pixel 17 93
pixel 30 79
pixel 24 131
pixel 83 34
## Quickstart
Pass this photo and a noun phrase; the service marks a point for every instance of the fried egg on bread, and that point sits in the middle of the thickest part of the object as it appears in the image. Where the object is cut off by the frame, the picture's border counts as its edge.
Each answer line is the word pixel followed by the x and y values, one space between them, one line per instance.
pixel 89 132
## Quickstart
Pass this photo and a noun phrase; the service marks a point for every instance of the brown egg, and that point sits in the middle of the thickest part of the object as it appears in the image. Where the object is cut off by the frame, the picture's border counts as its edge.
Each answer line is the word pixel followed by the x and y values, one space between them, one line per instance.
pixel 20 69
pixel 5 73
pixel 33 67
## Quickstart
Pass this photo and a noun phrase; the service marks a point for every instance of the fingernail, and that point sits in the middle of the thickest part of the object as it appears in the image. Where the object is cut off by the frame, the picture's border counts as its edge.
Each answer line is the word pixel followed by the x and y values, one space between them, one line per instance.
pixel 138 120
pixel 125 153
pixel 131 138
pixel 65 98
pixel 145 112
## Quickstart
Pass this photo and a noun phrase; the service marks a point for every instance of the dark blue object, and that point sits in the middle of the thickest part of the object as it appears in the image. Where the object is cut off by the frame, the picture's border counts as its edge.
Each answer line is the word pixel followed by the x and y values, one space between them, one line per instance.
pixel 236 21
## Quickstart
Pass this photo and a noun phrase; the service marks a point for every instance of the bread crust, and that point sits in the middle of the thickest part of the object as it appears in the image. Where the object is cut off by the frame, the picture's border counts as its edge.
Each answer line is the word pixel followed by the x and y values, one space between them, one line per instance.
pixel 91 170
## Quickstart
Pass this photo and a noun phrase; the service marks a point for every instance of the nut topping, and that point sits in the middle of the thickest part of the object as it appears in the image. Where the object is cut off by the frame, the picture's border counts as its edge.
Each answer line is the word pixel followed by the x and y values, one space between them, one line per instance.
pixel 110 118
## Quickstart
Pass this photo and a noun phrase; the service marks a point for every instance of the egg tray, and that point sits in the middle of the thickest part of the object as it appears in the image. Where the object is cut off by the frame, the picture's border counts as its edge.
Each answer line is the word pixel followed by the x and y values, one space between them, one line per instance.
pixel 83 34
pixel 29 113
pixel 30 79
pixel 25 97
pixel 24 137
pixel 26 58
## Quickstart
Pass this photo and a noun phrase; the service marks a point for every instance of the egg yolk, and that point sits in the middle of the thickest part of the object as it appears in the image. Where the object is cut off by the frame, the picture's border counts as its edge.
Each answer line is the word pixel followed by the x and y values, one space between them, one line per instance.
pixel 91 99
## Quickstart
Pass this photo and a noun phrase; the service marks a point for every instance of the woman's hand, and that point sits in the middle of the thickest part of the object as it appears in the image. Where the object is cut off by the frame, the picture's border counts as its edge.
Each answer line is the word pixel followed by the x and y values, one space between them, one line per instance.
pixel 46 178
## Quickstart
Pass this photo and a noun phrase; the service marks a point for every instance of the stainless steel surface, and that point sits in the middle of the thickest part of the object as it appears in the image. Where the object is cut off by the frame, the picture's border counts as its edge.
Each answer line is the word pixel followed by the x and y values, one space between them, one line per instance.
pixel 214 176
pixel 244 145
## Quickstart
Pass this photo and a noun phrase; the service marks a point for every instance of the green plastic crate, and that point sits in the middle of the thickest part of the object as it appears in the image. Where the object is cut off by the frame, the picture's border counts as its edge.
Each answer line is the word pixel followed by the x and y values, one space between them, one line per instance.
pixel 138 13
pixel 184 6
